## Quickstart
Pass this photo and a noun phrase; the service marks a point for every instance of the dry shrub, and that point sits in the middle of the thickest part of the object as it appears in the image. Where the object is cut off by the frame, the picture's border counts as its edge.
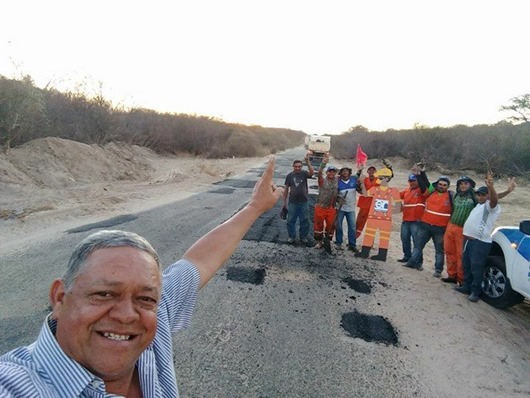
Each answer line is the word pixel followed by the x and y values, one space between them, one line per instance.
pixel 94 120
pixel 503 147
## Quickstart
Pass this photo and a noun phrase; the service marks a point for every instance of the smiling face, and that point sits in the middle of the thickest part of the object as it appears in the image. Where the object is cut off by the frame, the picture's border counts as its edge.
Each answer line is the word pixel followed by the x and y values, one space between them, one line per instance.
pixel 463 185
pixel 108 317
pixel 345 174
pixel 297 167
pixel 330 174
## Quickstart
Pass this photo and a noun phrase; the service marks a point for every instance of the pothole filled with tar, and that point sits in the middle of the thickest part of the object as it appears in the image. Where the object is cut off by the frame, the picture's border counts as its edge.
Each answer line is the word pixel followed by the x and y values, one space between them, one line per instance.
pixel 369 328
pixel 246 275
pixel 358 285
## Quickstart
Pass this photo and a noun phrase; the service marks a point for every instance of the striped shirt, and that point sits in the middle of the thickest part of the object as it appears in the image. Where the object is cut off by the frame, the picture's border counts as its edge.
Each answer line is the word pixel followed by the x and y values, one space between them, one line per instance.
pixel 43 370
pixel 463 203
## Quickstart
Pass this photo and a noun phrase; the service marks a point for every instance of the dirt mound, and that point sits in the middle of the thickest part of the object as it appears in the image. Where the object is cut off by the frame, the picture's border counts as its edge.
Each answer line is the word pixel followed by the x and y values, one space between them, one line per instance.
pixel 60 163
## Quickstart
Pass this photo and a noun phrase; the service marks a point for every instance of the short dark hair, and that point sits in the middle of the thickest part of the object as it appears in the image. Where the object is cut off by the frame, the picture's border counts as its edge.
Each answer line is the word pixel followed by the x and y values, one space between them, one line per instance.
pixel 297 161
pixel 102 240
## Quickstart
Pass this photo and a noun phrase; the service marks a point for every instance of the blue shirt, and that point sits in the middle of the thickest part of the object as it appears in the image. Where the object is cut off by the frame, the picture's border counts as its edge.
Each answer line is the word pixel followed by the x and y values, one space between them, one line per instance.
pixel 349 186
pixel 42 369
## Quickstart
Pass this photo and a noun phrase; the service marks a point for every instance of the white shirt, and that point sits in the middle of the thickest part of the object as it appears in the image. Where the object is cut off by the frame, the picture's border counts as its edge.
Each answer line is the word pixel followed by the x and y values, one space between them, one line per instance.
pixel 479 224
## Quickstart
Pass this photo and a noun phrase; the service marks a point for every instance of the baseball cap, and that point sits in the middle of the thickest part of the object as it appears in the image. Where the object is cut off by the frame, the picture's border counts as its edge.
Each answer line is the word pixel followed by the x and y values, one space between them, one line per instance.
pixel 331 168
pixel 443 178
pixel 482 190
pixel 412 177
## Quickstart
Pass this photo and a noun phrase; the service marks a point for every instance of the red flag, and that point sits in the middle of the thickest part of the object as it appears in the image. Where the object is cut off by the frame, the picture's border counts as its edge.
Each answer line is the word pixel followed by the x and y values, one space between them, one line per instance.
pixel 361 157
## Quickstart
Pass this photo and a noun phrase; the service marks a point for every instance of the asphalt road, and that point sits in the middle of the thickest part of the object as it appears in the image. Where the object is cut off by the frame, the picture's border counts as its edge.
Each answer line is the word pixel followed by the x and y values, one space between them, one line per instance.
pixel 277 320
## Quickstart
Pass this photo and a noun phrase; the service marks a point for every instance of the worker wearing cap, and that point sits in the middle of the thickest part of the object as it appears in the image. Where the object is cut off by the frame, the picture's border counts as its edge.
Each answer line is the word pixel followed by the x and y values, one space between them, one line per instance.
pixel 434 221
pixel 324 217
pixel 371 179
pixel 385 201
pixel 347 186
pixel 413 207
pixel 464 201
pixel 365 202
pixel 477 239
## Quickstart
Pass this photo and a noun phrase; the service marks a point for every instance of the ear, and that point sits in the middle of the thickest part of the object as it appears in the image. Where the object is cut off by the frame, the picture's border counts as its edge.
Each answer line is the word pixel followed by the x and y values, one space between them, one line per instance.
pixel 57 293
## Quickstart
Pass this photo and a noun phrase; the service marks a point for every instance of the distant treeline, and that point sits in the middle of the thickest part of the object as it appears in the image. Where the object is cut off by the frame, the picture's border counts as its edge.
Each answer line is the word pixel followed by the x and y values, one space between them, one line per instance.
pixel 503 147
pixel 28 112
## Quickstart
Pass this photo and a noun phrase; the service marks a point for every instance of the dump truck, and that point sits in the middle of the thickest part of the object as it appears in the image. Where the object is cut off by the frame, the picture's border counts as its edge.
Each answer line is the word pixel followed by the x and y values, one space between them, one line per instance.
pixel 317 146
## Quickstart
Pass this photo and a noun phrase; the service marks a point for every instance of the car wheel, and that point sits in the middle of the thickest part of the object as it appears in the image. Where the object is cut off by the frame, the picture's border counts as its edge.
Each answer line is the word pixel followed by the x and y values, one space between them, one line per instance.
pixel 496 288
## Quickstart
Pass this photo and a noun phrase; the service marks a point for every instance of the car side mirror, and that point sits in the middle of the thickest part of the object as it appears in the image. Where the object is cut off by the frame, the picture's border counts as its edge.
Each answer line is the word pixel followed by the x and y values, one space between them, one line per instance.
pixel 524 227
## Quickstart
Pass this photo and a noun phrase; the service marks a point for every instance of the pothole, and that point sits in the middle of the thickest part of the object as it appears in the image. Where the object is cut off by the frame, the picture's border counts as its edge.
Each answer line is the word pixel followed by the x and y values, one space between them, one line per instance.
pixel 358 285
pixel 371 328
pixel 246 275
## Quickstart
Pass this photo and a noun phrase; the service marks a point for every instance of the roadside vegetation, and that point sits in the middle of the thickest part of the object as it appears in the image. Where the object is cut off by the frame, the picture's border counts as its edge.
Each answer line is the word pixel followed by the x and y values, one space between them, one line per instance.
pixel 504 147
pixel 28 112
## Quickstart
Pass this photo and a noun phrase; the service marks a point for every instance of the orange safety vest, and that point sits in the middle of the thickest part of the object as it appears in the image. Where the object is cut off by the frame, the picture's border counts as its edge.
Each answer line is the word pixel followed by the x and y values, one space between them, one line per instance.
pixel 370 184
pixel 438 209
pixel 413 204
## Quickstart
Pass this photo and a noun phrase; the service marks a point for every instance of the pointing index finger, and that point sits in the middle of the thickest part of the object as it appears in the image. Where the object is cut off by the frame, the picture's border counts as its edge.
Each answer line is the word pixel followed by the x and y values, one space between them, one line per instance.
pixel 269 171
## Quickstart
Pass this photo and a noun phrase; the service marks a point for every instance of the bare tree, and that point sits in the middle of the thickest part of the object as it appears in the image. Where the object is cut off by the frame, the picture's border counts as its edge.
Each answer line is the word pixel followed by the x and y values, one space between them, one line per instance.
pixel 22 109
pixel 521 106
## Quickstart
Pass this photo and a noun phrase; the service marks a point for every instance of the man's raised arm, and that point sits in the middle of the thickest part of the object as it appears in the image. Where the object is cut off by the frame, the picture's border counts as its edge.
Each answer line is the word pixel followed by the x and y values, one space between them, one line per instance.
pixel 211 251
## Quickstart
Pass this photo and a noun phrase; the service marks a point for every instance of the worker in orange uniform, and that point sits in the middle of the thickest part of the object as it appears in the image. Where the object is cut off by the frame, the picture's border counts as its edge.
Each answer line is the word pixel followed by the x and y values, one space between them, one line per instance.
pixel 413 207
pixel 438 209
pixel 385 201
pixel 325 212
pixel 364 202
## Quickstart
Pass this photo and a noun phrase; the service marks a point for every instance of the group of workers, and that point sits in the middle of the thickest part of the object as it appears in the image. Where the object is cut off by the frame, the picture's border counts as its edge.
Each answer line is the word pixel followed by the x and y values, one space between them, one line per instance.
pixel 459 223
pixel 336 201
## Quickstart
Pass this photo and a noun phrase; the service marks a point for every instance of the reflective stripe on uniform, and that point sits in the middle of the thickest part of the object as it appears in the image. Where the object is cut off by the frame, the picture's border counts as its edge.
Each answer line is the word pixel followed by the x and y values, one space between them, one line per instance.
pixel 438 214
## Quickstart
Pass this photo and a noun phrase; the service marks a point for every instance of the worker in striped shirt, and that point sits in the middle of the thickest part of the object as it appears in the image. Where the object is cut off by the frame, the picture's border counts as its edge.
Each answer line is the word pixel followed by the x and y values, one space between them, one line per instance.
pixel 464 201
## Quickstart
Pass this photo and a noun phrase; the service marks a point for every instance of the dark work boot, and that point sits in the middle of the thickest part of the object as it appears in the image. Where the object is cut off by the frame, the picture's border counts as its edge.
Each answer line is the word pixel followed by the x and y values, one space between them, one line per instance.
pixel 473 297
pixel 381 256
pixel 365 251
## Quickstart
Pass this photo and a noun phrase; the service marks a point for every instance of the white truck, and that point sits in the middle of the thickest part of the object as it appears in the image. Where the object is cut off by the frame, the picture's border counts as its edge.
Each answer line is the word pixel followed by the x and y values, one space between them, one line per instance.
pixel 507 274
pixel 317 146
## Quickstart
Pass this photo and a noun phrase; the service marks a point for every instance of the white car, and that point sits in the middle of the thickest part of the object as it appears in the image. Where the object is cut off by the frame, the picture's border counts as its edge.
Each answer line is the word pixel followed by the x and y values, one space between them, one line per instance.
pixel 507 273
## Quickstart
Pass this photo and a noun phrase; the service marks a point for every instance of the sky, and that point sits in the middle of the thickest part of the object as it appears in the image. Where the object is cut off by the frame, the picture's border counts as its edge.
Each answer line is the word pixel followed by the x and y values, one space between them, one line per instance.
pixel 317 66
